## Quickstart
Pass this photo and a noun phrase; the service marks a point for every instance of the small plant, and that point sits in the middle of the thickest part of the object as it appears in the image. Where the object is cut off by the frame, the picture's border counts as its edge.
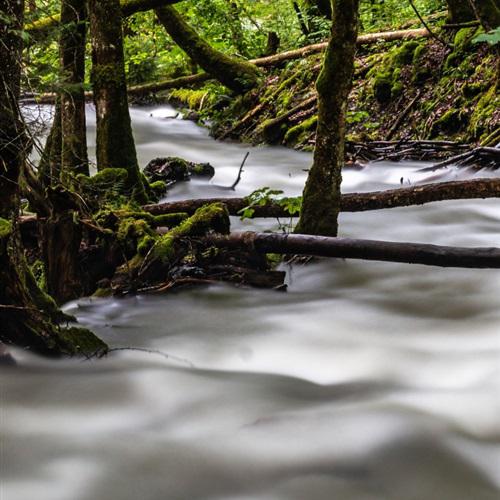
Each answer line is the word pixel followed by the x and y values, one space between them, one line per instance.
pixel 267 196
pixel 492 37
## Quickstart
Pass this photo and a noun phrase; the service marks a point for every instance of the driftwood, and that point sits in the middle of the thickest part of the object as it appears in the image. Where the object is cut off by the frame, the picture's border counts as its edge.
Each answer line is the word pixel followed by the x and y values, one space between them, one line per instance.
pixel 355 202
pixel 480 158
pixel 403 150
pixel 346 248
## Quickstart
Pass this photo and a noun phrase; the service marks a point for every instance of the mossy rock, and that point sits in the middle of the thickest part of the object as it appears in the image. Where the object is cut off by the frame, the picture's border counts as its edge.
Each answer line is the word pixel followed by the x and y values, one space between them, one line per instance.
pixel 172 169
pixel 404 54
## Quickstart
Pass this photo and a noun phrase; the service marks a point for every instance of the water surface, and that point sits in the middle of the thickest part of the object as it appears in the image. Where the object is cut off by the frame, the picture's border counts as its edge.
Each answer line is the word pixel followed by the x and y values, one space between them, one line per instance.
pixel 364 381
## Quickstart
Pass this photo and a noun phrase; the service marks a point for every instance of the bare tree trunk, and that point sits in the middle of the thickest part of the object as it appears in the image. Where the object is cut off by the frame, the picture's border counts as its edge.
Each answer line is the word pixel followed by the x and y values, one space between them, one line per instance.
pixel 115 142
pixel 237 75
pixel 321 198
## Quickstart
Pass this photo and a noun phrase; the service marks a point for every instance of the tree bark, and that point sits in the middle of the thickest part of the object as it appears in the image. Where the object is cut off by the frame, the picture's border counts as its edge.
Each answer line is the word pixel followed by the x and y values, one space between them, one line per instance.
pixel 347 248
pixel 459 11
pixel 239 76
pixel 72 49
pixel 354 202
pixel 115 142
pixel 488 13
pixel 321 198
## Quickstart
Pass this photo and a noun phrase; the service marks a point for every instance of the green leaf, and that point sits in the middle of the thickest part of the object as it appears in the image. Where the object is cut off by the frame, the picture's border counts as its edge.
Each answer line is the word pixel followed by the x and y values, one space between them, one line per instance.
pixel 492 37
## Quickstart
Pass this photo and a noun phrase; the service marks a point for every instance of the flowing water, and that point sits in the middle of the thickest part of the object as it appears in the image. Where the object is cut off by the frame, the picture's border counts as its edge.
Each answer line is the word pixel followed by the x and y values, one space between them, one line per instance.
pixel 364 381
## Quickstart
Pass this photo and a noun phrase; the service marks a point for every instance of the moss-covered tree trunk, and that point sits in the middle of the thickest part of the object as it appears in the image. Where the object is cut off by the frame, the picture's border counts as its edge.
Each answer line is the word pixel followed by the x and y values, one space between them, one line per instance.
pixel 321 198
pixel 26 314
pixel 459 11
pixel 115 142
pixel 72 49
pixel 488 13
pixel 239 76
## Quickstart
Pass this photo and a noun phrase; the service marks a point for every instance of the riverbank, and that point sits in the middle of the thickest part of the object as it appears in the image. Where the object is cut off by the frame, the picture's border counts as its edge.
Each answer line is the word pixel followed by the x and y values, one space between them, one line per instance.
pixel 417 89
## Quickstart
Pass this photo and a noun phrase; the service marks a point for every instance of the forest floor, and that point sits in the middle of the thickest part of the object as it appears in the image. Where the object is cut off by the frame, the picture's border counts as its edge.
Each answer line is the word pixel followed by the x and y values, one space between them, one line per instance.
pixel 417 89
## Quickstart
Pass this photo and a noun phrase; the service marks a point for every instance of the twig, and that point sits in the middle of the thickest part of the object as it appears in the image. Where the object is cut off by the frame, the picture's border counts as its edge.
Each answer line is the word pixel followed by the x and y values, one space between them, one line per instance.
pixel 153 351
pixel 402 116
pixel 426 26
pixel 238 179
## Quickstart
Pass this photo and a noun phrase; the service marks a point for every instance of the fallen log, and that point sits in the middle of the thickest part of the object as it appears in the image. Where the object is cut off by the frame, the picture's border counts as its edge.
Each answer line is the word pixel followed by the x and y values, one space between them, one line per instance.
pixel 354 202
pixel 482 157
pixel 347 248
pixel 129 7
pixel 370 38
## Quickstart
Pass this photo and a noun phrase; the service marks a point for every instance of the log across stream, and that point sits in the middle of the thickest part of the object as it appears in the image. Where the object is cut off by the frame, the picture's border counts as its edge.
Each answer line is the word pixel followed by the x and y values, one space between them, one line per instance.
pixel 364 380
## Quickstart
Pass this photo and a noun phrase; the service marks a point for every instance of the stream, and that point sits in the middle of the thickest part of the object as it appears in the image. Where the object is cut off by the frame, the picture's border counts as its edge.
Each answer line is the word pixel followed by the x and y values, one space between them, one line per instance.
pixel 364 381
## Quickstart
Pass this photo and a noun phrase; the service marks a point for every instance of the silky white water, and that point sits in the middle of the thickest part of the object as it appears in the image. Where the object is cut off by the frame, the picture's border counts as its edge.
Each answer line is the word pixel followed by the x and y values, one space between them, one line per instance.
pixel 364 381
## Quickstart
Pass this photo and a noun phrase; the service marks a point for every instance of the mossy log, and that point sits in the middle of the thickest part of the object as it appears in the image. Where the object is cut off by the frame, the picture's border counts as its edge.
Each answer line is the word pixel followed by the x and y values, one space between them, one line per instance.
pixel 347 248
pixel 355 202
pixel 239 76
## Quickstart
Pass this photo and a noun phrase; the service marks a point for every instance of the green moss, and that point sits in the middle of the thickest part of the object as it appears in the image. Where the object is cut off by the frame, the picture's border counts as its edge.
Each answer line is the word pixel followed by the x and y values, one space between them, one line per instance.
pixel 213 217
pixel 194 99
pixel 159 188
pixel 101 293
pixel 169 220
pixel 463 38
pixel 145 244
pixel 296 134
pixel 5 228
pixel 80 341
pixel 404 55
pixel 481 120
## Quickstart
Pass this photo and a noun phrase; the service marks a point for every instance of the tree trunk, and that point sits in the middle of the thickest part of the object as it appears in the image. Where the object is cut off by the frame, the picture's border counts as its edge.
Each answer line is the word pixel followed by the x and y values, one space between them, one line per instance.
pixel 347 248
pixel 26 314
pixel 459 11
pixel 321 198
pixel 115 142
pixel 72 50
pixel 239 76
pixel 488 13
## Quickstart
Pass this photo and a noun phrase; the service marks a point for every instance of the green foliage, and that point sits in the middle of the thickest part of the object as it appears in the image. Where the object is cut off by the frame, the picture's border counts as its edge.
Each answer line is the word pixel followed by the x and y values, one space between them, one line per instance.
pixel 267 196
pixel 492 37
